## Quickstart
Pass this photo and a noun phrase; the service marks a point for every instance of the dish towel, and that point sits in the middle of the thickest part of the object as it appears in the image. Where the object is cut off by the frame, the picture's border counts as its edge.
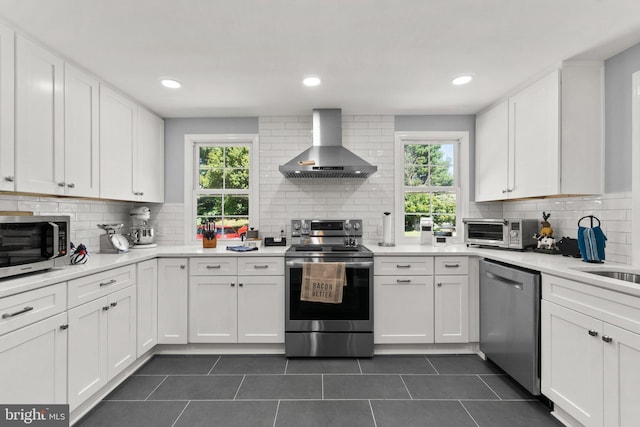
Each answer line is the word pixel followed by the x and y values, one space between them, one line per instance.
pixel 591 241
pixel 323 282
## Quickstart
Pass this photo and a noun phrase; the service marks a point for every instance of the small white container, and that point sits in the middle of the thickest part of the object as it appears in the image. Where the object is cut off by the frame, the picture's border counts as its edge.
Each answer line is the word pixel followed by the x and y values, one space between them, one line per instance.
pixel 426 231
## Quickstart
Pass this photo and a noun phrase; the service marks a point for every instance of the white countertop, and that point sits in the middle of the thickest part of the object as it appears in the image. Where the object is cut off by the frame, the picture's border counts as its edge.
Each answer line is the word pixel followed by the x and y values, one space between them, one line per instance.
pixel 551 264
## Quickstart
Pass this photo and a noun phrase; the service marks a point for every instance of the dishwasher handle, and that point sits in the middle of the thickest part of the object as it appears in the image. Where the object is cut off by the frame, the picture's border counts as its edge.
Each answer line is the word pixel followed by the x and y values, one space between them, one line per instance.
pixel 505 280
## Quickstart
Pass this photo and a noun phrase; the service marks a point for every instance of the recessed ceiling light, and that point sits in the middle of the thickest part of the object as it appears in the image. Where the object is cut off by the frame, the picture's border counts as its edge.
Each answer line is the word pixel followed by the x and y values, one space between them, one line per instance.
pixel 170 83
pixel 461 80
pixel 311 81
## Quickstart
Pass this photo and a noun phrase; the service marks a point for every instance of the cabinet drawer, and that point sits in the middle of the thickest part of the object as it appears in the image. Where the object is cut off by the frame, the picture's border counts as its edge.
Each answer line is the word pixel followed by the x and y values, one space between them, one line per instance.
pixel 213 266
pixel 261 266
pixel 88 288
pixel 604 304
pixel 412 265
pixel 451 265
pixel 23 309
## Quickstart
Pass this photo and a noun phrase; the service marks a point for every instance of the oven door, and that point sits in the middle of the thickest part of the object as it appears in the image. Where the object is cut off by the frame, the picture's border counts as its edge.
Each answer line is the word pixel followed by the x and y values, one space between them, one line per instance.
pixel 354 314
pixel 488 232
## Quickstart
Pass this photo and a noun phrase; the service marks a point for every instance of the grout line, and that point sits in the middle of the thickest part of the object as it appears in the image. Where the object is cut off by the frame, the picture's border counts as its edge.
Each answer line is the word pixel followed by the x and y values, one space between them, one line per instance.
pixel 239 385
pixel 375 424
pixel 286 366
pixel 468 413
pixel 275 419
pixel 405 386
pixel 434 368
pixel 214 365
pixel 494 392
pixel 359 366
pixel 158 386
pixel 181 412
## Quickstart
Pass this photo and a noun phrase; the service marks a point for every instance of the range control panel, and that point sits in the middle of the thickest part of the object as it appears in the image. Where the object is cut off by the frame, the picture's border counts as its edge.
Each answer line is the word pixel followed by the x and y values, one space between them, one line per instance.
pixel 326 227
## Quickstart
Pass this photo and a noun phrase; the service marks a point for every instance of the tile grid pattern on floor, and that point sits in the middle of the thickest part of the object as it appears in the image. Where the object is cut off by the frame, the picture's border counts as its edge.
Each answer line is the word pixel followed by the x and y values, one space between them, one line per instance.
pixel 272 391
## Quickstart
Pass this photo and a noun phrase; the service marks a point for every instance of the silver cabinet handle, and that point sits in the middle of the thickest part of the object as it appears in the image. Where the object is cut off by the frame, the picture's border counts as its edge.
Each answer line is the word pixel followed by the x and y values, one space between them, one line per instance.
pixel 261 266
pixel 113 304
pixel 24 310
pixel 593 333
pixel 182 266
pixel 606 338
pixel 240 284
pixel 142 193
pixel 9 178
pixel 71 185
pixel 452 265
pixel 403 281
pixel 65 326
pixel 403 265
pixel 439 283
pixel 211 267
pixel 61 184
pixel 233 284
pixel 105 308
pixel 110 282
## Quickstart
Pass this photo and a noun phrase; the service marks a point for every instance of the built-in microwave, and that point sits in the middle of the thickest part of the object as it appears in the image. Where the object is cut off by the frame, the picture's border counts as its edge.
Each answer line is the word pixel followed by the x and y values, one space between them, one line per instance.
pixel 33 243
pixel 507 233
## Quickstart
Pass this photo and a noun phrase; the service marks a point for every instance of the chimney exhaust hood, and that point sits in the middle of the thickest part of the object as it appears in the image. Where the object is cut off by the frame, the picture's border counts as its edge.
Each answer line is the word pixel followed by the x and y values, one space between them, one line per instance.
pixel 327 158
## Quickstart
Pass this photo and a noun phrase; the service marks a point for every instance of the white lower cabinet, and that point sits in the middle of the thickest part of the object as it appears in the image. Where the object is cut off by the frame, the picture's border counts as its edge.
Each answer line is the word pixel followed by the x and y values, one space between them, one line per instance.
pixel 243 308
pixel 403 309
pixel 147 300
pixel 590 352
pixel 102 342
pixel 173 285
pixel 33 363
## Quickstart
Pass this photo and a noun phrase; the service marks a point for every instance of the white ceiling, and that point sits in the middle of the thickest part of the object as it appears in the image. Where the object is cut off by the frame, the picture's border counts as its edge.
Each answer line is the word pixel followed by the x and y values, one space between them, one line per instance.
pixel 247 58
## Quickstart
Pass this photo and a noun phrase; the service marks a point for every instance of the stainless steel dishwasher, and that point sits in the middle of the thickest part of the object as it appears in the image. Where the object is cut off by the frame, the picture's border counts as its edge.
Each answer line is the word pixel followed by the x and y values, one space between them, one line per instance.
pixel 510 321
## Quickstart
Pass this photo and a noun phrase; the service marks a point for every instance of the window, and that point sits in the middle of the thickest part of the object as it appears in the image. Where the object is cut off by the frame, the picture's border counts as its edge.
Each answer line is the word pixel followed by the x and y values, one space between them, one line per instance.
pixel 428 181
pixel 222 186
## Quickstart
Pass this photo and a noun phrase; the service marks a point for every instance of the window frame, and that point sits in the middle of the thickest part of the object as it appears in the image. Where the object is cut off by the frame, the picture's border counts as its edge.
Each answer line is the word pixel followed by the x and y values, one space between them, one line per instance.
pixel 461 177
pixel 191 157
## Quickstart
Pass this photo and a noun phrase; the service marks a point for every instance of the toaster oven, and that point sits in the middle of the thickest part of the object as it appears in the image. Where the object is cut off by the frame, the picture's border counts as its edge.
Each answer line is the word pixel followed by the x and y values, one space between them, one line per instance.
pixel 506 233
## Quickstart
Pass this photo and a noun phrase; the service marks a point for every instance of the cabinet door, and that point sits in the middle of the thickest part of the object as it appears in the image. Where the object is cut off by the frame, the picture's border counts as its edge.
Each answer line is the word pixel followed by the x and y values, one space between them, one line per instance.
pixel 39 119
pixel 81 133
pixel 261 309
pixel 622 377
pixel 534 143
pixel 147 293
pixel 172 300
pixel 87 350
pixel 213 313
pixel 118 129
pixel 451 309
pixel 403 307
pixel 149 158
pixel 492 154
pixel 33 363
pixel 7 93
pixel 571 351
pixel 121 331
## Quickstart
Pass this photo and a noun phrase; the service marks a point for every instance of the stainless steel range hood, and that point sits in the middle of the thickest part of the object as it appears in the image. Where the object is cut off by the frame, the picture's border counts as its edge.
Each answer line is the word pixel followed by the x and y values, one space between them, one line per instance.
pixel 327 158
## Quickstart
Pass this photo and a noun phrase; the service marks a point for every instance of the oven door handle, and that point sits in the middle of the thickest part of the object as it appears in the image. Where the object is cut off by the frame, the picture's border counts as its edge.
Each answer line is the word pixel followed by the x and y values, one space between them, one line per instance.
pixel 55 251
pixel 347 264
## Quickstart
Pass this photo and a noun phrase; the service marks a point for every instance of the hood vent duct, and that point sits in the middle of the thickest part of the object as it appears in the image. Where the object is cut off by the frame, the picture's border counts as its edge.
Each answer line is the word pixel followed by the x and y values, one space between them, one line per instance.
pixel 327 158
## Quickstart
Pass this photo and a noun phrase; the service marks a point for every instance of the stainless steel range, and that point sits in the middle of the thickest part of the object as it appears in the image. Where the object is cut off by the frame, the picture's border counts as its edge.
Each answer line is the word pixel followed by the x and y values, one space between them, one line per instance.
pixel 318 329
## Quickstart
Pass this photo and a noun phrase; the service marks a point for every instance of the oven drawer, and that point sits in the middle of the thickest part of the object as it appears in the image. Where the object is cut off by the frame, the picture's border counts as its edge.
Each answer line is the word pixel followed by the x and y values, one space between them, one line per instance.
pixel 95 286
pixel 29 307
pixel 261 266
pixel 451 265
pixel 225 266
pixel 394 265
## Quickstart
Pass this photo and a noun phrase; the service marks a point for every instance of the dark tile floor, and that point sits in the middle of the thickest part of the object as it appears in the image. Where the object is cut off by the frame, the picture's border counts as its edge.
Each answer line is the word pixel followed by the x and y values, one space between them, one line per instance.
pixel 272 391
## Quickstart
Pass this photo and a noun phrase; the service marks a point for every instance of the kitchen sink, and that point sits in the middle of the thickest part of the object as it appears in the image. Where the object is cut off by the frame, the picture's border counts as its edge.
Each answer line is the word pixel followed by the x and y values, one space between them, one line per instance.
pixel 620 275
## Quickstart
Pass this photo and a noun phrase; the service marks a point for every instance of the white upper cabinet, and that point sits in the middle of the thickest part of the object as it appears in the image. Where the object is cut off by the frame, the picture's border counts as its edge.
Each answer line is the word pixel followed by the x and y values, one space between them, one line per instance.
pixel 492 156
pixel 544 140
pixel 7 92
pixel 39 119
pixel 148 177
pixel 118 134
pixel 81 139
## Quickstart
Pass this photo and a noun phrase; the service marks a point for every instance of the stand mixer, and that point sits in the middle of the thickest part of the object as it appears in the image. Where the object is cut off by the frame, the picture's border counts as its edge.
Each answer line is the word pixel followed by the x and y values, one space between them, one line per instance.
pixel 142 235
